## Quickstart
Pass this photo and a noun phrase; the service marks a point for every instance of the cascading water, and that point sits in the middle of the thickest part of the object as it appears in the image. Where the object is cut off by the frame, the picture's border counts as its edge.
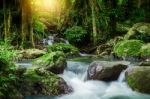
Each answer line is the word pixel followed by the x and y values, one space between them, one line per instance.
pixel 75 75
pixel 24 63
pixel 122 76
pixel 50 40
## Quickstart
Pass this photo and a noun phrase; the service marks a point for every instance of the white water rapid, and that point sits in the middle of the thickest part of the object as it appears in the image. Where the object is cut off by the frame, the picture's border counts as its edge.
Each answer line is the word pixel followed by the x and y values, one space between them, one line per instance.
pixel 75 75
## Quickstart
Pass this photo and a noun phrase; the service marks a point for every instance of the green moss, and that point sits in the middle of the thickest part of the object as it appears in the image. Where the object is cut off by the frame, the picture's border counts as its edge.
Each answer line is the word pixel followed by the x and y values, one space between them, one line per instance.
pixel 54 62
pixel 50 59
pixel 65 48
pixel 145 50
pixel 139 79
pixel 48 82
pixel 128 48
pixel 139 31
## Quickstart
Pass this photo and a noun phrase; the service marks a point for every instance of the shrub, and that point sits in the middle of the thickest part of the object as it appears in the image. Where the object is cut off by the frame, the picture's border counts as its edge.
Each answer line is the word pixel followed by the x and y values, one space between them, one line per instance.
pixel 39 29
pixel 75 34
pixel 128 48
pixel 7 67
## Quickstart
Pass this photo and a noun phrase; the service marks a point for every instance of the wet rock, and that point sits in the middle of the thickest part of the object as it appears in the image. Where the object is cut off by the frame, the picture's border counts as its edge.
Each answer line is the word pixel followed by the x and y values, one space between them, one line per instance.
pixel 138 78
pixel 105 71
pixel 54 62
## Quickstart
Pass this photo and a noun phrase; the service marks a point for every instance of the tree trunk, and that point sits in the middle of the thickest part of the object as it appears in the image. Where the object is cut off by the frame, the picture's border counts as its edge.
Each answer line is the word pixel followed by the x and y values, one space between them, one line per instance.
pixel 31 32
pixel 147 18
pixel 112 16
pixel 23 24
pixel 5 21
pixel 94 23
pixel 8 23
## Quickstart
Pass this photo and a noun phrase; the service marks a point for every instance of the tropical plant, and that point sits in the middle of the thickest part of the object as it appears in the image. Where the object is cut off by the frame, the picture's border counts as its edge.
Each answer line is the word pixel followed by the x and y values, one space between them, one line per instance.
pixel 75 34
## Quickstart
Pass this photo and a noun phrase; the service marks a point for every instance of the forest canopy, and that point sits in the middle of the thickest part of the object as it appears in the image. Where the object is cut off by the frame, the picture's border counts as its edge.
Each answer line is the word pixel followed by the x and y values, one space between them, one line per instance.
pixel 38 18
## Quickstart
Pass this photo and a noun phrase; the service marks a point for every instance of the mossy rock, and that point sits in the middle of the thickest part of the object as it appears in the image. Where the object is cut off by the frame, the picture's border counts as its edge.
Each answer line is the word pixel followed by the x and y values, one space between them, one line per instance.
pixel 54 62
pixel 35 82
pixel 139 31
pixel 145 51
pixel 128 48
pixel 138 79
pixel 30 54
pixel 67 49
pixel 38 82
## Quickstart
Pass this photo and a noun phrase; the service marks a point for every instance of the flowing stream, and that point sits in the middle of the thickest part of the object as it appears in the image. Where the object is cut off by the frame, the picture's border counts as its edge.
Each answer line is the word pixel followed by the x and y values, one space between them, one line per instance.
pixel 75 75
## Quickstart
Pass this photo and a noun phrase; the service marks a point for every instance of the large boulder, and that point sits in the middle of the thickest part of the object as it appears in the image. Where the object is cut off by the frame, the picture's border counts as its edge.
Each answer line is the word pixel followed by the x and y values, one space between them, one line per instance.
pixel 30 53
pixel 128 48
pixel 138 78
pixel 139 31
pixel 32 82
pixel 54 62
pixel 105 71
pixel 67 49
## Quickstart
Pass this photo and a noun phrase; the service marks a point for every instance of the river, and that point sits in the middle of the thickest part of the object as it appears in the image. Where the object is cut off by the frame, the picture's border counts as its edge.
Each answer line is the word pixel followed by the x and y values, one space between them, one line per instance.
pixel 75 75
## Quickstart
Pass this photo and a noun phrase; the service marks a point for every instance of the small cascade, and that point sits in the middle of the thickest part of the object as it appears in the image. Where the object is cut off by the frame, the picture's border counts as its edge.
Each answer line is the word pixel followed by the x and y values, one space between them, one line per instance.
pixel 84 54
pixel 50 40
pixel 75 74
pixel 44 41
pixel 122 76
pixel 66 42
pixel 24 63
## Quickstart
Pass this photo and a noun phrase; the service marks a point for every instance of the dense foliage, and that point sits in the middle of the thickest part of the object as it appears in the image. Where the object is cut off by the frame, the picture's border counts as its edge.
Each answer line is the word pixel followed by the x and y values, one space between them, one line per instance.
pixel 7 67
pixel 75 34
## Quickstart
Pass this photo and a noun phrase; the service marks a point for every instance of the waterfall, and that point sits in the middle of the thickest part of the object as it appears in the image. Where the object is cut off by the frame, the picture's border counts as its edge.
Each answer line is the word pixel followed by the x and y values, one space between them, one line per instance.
pixel 122 76
pixel 50 40
pixel 66 42
pixel 44 41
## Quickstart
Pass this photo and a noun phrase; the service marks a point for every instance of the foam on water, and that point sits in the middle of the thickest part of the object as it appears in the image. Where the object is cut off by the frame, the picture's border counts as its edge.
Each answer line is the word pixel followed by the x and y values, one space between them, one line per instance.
pixel 96 89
